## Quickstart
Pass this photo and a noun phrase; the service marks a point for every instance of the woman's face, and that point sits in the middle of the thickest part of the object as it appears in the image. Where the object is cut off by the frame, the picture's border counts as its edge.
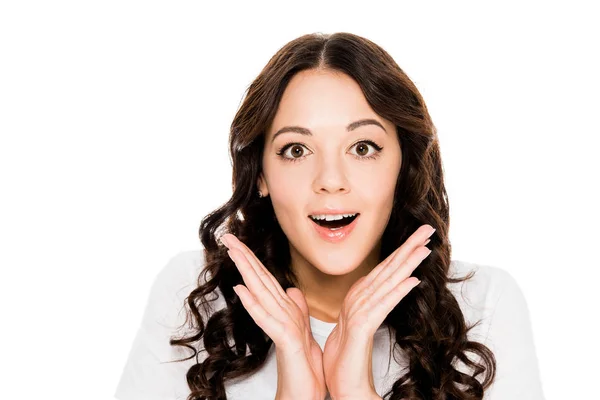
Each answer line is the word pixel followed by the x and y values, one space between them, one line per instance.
pixel 330 168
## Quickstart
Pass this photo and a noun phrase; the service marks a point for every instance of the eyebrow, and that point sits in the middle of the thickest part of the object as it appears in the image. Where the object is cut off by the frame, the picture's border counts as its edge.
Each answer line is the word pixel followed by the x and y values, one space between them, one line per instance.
pixel 307 132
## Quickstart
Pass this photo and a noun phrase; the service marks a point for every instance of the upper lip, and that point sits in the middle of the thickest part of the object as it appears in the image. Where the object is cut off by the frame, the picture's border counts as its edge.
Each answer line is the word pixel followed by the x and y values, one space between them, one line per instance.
pixel 332 211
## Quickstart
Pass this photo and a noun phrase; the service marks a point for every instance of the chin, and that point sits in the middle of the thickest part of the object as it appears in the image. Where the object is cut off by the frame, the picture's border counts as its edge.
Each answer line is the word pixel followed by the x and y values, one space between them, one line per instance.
pixel 337 267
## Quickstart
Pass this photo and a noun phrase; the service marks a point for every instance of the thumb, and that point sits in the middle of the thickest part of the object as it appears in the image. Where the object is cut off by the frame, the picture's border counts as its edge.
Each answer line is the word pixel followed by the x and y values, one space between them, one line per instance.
pixel 298 297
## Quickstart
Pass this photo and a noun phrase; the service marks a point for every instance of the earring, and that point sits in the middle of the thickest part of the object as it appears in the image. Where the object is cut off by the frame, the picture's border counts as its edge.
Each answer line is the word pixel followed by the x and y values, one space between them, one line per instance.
pixel 260 194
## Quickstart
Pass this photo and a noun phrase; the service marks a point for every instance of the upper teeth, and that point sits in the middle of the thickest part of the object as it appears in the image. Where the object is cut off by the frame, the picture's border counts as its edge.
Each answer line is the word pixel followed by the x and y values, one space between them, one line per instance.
pixel 331 217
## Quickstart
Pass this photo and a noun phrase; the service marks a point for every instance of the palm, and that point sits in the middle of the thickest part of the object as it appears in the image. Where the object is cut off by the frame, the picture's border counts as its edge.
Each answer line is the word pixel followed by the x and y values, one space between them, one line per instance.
pixel 313 350
pixel 338 362
pixel 331 356
pixel 344 368
pixel 347 355
pixel 316 356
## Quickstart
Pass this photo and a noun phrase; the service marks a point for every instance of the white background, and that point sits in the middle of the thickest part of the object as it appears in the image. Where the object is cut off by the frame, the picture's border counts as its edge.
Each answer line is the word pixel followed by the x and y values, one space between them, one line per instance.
pixel 114 119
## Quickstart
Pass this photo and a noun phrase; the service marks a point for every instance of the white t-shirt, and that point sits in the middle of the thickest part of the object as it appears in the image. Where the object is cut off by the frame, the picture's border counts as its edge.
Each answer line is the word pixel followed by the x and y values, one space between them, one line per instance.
pixel 491 294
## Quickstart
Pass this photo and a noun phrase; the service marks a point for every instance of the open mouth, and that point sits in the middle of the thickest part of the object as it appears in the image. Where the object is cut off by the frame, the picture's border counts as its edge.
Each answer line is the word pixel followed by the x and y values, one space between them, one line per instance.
pixel 335 224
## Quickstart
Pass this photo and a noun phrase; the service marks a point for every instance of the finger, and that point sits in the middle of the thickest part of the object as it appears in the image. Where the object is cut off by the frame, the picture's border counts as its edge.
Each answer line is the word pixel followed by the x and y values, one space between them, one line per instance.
pixel 385 305
pixel 271 283
pixel 381 272
pixel 269 324
pixel 298 297
pixel 255 284
pixel 389 286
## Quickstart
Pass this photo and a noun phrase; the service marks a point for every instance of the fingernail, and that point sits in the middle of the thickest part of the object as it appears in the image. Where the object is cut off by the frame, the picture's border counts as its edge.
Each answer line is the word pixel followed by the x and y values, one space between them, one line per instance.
pixel 224 241
pixel 428 240
pixel 432 232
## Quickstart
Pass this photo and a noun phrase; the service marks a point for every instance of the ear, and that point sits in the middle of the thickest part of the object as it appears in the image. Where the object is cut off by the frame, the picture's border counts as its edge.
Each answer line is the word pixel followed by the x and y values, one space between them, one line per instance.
pixel 262 185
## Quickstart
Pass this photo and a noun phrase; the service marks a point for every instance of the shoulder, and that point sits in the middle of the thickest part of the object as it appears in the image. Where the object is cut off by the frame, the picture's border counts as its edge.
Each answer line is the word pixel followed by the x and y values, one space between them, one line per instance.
pixel 173 283
pixel 183 267
pixel 150 372
pixel 176 279
pixel 486 278
pixel 479 297
pixel 494 298
pixel 183 272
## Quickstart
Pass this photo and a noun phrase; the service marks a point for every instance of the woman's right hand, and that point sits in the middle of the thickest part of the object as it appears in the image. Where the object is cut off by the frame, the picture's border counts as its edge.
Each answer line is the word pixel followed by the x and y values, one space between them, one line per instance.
pixel 283 316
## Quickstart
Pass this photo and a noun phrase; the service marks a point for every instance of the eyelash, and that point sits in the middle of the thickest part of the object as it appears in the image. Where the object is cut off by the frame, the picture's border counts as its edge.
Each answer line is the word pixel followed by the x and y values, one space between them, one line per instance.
pixel 283 149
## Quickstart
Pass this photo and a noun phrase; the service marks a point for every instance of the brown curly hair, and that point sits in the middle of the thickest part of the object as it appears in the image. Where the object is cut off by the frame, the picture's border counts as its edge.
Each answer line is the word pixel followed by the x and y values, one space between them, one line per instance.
pixel 428 323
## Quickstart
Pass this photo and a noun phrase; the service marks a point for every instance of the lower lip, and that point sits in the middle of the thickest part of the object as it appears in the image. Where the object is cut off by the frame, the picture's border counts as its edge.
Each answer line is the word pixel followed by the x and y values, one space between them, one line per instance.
pixel 337 235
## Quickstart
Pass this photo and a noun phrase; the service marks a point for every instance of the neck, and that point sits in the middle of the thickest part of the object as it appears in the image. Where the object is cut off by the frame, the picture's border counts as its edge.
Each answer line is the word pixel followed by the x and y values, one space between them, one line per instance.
pixel 325 293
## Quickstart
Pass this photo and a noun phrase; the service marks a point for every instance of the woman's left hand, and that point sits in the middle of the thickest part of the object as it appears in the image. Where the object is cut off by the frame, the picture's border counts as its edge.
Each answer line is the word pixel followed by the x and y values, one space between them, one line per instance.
pixel 347 355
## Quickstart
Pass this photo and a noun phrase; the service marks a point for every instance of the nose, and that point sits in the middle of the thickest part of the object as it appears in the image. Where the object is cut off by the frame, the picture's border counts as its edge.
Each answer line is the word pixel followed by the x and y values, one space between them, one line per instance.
pixel 331 177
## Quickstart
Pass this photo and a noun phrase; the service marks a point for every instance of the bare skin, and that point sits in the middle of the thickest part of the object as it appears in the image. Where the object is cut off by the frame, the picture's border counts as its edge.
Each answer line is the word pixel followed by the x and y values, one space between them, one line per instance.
pixel 344 368
pixel 333 167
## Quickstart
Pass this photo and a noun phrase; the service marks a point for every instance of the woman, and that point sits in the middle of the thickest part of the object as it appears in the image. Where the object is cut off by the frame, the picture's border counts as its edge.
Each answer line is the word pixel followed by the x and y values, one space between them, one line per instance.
pixel 322 285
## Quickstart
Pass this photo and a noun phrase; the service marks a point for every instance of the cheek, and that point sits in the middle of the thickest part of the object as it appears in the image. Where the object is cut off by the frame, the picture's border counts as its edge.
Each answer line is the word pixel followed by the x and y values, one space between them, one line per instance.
pixel 378 188
pixel 285 188
pixel 288 199
pixel 379 201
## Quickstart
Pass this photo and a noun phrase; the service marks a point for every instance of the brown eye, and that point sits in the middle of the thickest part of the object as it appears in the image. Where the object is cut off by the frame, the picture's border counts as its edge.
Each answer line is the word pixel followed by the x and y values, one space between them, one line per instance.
pixel 296 151
pixel 362 149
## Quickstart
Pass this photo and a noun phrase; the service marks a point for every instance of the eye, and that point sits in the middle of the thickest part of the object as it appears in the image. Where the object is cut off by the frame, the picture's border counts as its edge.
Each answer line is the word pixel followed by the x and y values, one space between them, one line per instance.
pixel 296 149
pixel 362 148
